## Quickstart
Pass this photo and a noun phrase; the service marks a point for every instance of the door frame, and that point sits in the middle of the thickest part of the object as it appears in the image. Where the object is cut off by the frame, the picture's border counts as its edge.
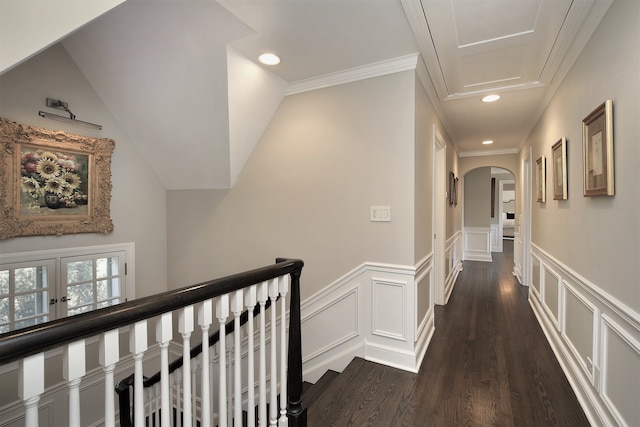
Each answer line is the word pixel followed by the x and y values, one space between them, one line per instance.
pixel 438 216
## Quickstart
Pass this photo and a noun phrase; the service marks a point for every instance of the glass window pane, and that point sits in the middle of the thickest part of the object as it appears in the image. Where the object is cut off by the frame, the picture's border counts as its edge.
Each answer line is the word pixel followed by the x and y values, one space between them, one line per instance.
pixel 106 267
pixel 79 310
pixel 80 295
pixel 4 282
pixel 25 279
pixel 30 305
pixel 4 329
pixel 4 310
pixel 79 271
pixel 108 289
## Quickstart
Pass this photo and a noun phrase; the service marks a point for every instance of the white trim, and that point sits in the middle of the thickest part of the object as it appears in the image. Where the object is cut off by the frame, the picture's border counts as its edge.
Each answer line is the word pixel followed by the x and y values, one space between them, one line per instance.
pixel 609 324
pixel 477 253
pixel 376 316
pixel 481 153
pixel 608 314
pixel 382 68
pixel 588 370
pixel 602 296
pixel 349 335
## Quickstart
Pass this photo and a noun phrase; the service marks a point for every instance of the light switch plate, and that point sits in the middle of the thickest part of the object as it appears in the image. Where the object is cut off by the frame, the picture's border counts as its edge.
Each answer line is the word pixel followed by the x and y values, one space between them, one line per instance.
pixel 381 213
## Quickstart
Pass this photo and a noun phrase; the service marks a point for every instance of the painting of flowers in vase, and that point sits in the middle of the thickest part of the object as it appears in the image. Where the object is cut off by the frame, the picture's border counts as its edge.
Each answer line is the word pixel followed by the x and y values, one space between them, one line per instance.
pixel 53 182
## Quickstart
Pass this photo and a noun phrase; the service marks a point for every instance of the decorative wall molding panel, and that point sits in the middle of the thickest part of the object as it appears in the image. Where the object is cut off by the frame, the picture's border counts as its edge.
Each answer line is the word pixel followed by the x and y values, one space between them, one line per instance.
pixel 496 238
pixel 517 256
pixel 477 244
pixel 453 255
pixel 595 337
pixel 383 313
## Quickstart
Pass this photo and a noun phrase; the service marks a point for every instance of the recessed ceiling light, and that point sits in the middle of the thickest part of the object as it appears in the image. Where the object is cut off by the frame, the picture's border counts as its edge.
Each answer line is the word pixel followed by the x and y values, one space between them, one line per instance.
pixel 490 98
pixel 487 142
pixel 269 59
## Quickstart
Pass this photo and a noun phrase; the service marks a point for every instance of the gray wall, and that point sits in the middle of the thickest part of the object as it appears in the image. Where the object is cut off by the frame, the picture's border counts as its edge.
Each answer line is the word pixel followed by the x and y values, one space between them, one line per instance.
pixel 305 192
pixel 477 198
pixel 137 199
pixel 598 237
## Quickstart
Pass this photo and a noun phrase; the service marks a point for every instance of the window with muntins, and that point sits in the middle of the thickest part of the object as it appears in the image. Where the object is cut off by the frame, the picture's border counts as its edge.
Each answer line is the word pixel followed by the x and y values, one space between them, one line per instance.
pixel 41 286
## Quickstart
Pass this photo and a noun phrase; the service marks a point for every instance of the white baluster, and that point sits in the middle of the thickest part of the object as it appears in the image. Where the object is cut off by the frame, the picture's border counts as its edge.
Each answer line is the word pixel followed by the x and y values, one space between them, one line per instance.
pixel 222 312
pixel 229 341
pixel 109 349
pixel 185 327
pixel 273 407
pixel 31 386
pixel 283 284
pixel 263 293
pixel 137 346
pixel 164 334
pixel 178 417
pixel 73 370
pixel 194 370
pixel 237 305
pixel 251 300
pixel 205 317
pixel 212 374
pixel 157 396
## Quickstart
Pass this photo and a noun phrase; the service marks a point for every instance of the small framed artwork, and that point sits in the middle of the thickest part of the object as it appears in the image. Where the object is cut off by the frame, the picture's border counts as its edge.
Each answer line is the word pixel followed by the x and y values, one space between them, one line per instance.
pixel 55 182
pixel 541 174
pixel 452 181
pixel 559 159
pixel 597 151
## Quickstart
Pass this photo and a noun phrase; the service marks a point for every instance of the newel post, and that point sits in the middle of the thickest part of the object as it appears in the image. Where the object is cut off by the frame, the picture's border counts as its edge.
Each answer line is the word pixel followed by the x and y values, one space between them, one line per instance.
pixel 296 412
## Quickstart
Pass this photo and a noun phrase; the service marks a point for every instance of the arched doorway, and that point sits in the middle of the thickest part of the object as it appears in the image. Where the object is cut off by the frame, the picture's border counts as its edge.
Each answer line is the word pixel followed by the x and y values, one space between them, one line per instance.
pixel 489 212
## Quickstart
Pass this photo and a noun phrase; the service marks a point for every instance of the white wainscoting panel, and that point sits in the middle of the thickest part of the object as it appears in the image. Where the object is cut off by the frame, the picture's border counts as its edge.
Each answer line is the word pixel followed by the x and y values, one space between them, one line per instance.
pixel 454 263
pixel 385 321
pixel 496 238
pixel 321 330
pixel 580 339
pixel 595 337
pixel 517 256
pixel 477 244
pixel 551 293
pixel 536 276
pixel 381 312
pixel 620 373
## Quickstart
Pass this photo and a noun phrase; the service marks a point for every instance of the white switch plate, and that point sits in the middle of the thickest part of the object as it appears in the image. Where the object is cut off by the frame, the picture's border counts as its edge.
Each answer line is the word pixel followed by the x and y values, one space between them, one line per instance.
pixel 381 213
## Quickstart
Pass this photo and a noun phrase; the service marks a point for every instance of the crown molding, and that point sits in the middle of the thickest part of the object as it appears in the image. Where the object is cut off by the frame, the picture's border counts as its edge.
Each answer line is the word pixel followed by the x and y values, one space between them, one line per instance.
pixel 488 153
pixel 377 69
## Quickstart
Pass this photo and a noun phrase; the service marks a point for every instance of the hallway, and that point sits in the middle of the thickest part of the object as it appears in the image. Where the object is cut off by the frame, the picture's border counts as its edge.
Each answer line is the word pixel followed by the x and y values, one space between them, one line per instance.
pixel 488 364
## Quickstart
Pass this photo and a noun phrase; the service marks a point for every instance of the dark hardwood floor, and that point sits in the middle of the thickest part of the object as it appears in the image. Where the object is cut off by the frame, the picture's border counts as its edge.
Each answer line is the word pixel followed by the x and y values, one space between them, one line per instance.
pixel 488 364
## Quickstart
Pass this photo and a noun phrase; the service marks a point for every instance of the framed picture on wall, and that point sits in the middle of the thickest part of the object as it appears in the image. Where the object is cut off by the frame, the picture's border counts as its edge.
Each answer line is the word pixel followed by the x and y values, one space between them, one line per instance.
pixel 597 151
pixel 55 182
pixel 541 179
pixel 559 159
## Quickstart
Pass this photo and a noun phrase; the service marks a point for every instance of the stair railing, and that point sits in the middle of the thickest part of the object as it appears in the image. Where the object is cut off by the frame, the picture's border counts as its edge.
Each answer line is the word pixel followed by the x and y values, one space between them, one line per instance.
pixel 195 303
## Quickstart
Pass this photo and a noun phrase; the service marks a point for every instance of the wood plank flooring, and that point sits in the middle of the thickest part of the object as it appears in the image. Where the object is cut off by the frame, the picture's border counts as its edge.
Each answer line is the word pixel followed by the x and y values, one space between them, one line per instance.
pixel 488 364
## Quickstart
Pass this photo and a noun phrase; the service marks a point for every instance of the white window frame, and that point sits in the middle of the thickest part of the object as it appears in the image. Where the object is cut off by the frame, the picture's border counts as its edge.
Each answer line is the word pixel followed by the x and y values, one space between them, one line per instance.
pixel 56 259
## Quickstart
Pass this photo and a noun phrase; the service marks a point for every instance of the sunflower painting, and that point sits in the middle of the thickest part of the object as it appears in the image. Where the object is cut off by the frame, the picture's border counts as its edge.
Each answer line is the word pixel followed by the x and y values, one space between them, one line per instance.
pixel 56 182
pixel 51 179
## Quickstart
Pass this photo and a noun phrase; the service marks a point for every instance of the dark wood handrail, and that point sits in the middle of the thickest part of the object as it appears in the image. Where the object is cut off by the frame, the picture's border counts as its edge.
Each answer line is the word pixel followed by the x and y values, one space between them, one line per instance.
pixel 18 344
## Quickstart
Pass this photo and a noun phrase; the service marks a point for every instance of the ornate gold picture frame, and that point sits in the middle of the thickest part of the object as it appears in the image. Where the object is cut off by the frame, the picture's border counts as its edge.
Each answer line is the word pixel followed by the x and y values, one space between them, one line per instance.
pixel 597 150
pixel 54 182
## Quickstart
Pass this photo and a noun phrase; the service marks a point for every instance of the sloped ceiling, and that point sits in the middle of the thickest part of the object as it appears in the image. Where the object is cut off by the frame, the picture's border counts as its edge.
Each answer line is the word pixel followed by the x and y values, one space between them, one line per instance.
pixel 176 73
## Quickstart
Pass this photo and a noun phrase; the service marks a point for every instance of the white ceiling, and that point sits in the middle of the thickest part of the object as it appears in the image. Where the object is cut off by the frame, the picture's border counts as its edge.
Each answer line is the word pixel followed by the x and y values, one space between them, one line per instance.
pixel 149 60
